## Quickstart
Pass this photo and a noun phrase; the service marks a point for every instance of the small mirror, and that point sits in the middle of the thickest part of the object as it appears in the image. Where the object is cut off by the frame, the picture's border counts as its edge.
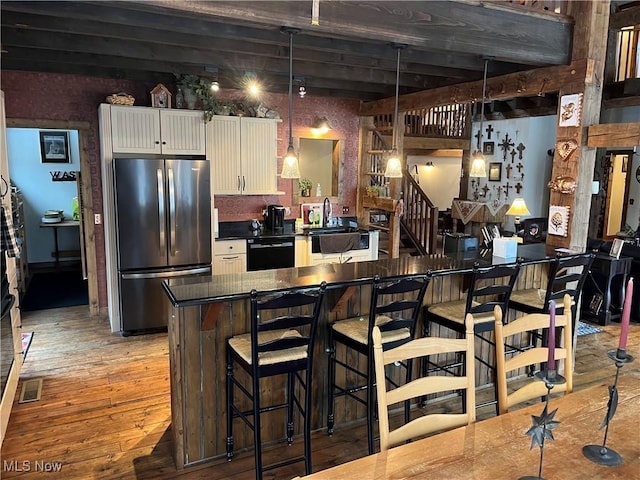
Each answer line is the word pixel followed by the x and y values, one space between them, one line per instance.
pixel 320 161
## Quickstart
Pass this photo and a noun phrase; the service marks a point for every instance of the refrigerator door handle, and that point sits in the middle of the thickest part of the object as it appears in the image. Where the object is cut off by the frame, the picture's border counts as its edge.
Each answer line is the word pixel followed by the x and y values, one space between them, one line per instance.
pixel 161 225
pixel 172 213
pixel 176 273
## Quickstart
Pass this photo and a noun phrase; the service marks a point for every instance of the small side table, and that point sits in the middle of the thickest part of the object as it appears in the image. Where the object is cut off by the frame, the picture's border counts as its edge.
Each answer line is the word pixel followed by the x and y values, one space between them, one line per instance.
pixel 597 294
pixel 55 226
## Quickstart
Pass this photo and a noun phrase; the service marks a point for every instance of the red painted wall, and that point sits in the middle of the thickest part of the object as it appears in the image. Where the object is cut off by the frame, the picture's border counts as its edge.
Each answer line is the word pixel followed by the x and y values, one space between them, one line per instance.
pixel 45 96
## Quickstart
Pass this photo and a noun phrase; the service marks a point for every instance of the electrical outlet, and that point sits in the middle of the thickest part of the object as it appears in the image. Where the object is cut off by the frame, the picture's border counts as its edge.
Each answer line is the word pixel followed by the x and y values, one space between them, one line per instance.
pixel 345 209
pixel 287 211
pixel 97 219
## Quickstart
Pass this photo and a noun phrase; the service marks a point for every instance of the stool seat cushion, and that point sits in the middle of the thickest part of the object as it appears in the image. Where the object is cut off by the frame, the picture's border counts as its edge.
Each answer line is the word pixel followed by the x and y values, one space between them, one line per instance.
pixel 242 346
pixel 357 329
pixel 455 312
pixel 533 297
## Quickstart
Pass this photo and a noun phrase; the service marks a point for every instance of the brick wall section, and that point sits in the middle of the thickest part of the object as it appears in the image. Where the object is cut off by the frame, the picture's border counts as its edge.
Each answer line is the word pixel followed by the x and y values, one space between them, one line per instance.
pixel 45 96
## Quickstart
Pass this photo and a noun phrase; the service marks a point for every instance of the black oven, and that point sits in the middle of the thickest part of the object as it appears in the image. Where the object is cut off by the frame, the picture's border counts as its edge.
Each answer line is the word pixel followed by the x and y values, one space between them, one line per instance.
pixel 270 252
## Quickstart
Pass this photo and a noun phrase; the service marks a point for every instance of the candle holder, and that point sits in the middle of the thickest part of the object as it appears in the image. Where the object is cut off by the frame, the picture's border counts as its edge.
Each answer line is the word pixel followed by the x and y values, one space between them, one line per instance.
pixel 544 424
pixel 601 454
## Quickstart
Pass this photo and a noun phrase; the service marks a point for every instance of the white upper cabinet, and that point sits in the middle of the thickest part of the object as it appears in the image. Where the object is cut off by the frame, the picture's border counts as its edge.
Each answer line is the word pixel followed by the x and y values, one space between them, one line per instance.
pixel 157 130
pixel 243 155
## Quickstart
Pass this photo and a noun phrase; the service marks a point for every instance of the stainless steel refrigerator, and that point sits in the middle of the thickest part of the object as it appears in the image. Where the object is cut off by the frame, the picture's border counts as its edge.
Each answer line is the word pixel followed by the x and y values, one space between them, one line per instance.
pixel 163 222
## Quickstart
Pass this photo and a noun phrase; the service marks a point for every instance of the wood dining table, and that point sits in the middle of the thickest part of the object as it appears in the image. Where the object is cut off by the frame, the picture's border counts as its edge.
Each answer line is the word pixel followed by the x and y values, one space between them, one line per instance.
pixel 499 448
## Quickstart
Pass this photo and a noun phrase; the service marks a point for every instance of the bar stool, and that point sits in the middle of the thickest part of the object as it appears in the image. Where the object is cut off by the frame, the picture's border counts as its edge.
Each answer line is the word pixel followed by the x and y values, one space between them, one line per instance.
pixel 490 287
pixel 395 306
pixel 566 277
pixel 277 344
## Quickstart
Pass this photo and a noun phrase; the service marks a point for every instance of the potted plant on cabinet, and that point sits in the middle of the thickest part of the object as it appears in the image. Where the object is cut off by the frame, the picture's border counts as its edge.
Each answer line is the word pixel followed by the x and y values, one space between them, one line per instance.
pixel 305 187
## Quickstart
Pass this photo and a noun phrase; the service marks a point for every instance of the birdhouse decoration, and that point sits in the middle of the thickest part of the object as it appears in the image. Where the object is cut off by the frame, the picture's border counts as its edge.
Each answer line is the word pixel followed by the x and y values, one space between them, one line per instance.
pixel 160 96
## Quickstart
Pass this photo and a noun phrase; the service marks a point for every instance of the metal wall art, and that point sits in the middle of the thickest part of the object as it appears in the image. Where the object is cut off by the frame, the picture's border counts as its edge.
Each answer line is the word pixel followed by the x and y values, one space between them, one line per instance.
pixel 563 184
pixel 565 148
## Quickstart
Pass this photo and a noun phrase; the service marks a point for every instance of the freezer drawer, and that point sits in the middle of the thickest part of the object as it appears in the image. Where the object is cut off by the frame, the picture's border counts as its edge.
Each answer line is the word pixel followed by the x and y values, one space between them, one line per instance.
pixel 143 303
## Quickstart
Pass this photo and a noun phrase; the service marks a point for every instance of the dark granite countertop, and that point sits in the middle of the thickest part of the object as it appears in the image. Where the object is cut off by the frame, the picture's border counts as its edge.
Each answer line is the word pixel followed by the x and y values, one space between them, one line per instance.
pixel 240 230
pixel 217 288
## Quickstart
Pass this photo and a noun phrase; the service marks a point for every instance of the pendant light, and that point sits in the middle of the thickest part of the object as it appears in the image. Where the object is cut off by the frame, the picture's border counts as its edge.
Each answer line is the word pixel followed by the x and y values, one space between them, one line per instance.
pixel 394 164
pixel 478 165
pixel 290 166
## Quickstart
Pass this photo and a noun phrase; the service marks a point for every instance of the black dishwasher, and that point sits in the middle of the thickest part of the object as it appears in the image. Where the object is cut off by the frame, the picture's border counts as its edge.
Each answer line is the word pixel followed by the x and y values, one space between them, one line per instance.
pixel 270 252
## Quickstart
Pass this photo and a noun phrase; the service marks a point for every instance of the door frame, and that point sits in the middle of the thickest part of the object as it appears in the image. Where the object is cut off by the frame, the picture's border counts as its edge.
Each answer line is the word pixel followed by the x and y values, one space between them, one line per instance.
pixel 83 129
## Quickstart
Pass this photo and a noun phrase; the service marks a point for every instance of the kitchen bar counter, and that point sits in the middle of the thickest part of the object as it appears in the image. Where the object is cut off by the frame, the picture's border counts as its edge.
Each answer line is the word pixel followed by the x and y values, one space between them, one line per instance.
pixel 208 310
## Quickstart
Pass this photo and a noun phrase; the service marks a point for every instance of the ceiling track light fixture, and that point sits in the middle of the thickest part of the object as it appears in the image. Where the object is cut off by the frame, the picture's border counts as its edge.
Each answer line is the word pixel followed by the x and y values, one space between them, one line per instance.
pixel 290 165
pixel 394 164
pixel 215 85
pixel 478 165
pixel 301 86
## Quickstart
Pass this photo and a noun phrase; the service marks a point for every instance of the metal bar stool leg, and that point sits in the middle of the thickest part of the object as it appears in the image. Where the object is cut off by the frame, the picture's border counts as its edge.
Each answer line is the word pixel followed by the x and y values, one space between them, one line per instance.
pixel 331 374
pixel 256 427
pixel 290 399
pixel 229 406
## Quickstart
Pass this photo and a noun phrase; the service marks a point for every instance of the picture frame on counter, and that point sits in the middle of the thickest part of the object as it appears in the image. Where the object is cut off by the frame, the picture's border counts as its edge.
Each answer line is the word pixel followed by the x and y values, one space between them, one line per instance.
pixel 54 146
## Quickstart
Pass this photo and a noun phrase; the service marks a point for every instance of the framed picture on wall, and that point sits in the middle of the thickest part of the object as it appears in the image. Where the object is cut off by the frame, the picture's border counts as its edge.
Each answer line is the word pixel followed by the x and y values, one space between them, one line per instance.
pixel 495 171
pixel 488 148
pixel 54 147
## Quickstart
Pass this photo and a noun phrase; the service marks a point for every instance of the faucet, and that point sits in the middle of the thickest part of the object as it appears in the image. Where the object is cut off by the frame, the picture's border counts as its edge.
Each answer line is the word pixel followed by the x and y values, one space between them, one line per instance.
pixel 326 212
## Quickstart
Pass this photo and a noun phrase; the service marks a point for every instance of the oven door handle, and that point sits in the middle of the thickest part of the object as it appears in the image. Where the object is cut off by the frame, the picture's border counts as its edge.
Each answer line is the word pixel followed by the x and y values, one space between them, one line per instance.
pixel 256 246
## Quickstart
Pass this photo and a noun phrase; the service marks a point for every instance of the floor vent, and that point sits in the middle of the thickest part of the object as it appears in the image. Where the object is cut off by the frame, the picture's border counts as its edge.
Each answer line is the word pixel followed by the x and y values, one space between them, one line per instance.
pixel 31 390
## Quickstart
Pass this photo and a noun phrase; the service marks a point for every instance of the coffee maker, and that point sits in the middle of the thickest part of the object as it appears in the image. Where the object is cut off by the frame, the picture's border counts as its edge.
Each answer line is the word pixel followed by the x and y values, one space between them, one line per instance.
pixel 274 218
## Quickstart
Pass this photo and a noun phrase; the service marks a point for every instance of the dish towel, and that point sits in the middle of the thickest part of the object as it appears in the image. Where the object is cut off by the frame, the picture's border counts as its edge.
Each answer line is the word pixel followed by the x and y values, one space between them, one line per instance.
pixel 339 242
pixel 7 237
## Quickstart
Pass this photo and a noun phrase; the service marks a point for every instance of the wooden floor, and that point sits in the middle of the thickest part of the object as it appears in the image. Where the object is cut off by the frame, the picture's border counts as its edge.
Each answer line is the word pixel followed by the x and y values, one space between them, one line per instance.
pixel 105 412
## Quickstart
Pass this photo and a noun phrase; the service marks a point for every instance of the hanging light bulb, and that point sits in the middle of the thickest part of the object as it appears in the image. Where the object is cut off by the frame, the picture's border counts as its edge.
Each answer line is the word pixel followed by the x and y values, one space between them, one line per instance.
pixel 478 164
pixel 290 166
pixel 394 163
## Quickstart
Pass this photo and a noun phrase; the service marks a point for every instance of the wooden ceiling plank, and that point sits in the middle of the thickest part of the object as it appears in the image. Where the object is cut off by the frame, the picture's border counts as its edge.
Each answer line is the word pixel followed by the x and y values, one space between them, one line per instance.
pixel 625 18
pixel 463 27
pixel 614 135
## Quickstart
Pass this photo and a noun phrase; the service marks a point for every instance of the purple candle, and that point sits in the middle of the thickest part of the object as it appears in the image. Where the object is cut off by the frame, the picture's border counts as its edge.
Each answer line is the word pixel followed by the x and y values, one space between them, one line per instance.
pixel 551 361
pixel 626 313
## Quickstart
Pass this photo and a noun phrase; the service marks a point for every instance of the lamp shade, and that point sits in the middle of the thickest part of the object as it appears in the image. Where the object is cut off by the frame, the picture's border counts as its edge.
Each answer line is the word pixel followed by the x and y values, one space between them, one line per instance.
pixel 478 165
pixel 290 165
pixel 394 165
pixel 322 125
pixel 518 208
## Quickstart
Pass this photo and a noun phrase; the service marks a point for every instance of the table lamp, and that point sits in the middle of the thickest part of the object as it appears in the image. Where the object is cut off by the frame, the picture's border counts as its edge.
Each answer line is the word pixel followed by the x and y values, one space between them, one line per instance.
pixel 518 208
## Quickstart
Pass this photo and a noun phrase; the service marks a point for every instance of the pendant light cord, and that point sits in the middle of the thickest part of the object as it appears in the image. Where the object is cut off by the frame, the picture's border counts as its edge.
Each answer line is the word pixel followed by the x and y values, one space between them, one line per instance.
pixel 290 88
pixel 484 89
pixel 395 112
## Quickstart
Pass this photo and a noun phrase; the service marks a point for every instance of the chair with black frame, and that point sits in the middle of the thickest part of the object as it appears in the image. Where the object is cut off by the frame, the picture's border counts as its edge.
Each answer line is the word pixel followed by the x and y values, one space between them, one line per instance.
pixel 489 287
pixel 511 365
pixel 566 275
pixel 394 307
pixel 422 386
pixel 283 327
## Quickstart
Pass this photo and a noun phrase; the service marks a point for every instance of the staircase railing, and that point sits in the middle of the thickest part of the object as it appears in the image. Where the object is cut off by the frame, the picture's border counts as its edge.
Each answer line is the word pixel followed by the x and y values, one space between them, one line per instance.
pixel 420 219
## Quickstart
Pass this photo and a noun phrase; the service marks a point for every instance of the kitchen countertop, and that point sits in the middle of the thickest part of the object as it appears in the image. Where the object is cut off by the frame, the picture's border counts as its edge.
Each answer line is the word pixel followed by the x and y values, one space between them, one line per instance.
pixel 218 288
pixel 240 230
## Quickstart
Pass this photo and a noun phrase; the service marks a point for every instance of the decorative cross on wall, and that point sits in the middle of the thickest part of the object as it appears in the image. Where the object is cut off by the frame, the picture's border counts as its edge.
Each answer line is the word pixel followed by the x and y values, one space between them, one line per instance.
pixel 489 129
pixel 513 154
pixel 519 167
pixel 505 145
pixel 508 169
pixel 520 149
pixel 499 190
pixel 506 189
pixel 478 135
pixel 485 189
pixel 473 183
pixel 518 187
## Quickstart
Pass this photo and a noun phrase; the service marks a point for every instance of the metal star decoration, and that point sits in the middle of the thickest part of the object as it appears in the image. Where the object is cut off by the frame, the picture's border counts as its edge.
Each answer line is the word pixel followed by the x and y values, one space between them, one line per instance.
pixel 542 427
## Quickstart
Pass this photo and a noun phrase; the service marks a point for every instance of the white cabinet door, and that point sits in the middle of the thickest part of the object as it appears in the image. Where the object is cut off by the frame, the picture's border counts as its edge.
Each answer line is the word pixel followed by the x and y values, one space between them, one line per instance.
pixel 301 247
pixel 223 153
pixel 157 130
pixel 182 132
pixel 259 155
pixel 135 130
pixel 243 155
pixel 230 256
pixel 229 264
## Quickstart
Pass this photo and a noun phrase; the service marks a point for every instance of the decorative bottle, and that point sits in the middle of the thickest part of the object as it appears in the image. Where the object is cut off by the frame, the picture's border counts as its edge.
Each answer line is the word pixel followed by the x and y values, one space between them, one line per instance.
pixel 318 191
pixel 179 99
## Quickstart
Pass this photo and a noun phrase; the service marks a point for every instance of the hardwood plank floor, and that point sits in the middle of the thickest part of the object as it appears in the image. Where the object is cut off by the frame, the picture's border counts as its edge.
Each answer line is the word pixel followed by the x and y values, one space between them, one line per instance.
pixel 105 410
